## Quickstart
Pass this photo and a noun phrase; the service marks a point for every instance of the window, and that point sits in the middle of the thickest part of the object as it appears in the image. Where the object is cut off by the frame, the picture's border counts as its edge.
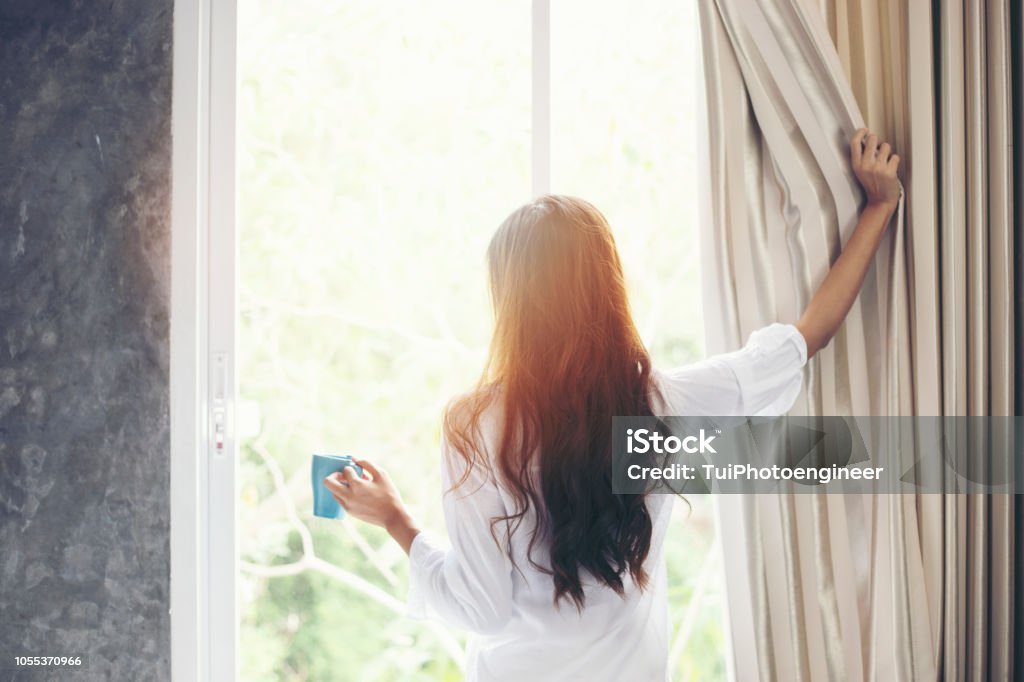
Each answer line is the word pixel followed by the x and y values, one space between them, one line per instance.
pixel 380 144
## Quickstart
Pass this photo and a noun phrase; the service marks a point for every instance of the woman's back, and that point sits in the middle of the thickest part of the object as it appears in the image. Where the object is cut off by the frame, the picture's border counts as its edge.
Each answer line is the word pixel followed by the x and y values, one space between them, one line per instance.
pixel 498 587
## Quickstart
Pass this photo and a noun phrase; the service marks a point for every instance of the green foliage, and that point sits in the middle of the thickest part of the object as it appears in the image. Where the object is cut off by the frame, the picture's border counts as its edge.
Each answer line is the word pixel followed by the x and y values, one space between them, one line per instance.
pixel 380 145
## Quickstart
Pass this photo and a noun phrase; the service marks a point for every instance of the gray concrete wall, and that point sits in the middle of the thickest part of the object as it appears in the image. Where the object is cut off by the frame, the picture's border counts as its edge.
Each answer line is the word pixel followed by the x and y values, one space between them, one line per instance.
pixel 85 95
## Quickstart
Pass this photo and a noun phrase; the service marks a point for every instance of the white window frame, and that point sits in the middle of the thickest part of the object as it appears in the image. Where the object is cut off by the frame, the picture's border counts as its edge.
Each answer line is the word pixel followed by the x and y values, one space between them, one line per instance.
pixel 204 608
pixel 204 255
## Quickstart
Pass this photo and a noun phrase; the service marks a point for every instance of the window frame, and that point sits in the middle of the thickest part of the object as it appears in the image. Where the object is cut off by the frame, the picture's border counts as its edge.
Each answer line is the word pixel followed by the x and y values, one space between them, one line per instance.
pixel 203 543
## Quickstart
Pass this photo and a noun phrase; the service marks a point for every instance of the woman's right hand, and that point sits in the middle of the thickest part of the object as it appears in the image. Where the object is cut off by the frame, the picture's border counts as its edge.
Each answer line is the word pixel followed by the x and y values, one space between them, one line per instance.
pixel 375 499
pixel 875 166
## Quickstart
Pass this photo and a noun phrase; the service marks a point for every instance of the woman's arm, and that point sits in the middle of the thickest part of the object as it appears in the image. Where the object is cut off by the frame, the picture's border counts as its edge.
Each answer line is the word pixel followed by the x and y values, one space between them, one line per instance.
pixel 376 500
pixel 875 167
pixel 469 585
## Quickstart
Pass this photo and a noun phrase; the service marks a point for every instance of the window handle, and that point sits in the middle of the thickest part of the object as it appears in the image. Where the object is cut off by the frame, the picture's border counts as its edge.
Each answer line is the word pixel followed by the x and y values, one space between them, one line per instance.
pixel 219 408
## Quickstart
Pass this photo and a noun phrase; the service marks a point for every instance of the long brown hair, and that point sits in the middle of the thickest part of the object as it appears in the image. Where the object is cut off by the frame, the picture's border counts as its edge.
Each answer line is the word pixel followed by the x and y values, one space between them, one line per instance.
pixel 564 359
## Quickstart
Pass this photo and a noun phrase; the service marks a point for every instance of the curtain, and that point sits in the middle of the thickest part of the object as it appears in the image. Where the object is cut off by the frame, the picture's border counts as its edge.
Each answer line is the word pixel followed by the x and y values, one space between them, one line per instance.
pixel 868 587
pixel 1017 28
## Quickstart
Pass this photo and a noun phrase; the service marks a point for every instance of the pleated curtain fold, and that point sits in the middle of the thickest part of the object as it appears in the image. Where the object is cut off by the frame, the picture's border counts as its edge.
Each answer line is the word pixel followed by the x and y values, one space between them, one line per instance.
pixel 869 587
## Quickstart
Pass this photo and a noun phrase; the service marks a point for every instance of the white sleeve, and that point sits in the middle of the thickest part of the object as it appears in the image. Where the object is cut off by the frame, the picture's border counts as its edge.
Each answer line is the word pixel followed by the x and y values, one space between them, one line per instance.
pixel 470 584
pixel 762 378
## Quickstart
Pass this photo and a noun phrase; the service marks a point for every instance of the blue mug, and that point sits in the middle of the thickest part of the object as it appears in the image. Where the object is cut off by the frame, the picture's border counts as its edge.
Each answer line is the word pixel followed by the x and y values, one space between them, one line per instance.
pixel 324 504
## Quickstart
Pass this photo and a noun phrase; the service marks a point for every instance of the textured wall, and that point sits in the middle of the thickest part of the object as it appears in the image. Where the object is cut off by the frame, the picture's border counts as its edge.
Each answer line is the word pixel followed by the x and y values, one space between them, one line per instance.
pixel 85 90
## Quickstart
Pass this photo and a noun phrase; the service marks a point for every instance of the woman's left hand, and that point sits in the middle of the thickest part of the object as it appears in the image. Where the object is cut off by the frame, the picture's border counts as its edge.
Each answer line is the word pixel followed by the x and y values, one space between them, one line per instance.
pixel 374 499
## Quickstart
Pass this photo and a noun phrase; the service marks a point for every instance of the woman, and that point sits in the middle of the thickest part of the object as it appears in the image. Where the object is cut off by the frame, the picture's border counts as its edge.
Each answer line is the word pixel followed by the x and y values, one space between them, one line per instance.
pixel 560 578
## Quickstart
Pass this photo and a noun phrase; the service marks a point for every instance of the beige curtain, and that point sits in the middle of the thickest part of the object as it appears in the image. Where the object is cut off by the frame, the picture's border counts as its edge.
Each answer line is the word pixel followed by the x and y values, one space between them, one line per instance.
pixel 1017 28
pixel 854 587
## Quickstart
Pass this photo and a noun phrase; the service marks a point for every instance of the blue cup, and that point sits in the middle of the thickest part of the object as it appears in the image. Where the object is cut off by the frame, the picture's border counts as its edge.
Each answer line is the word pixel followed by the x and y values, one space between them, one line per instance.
pixel 324 504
